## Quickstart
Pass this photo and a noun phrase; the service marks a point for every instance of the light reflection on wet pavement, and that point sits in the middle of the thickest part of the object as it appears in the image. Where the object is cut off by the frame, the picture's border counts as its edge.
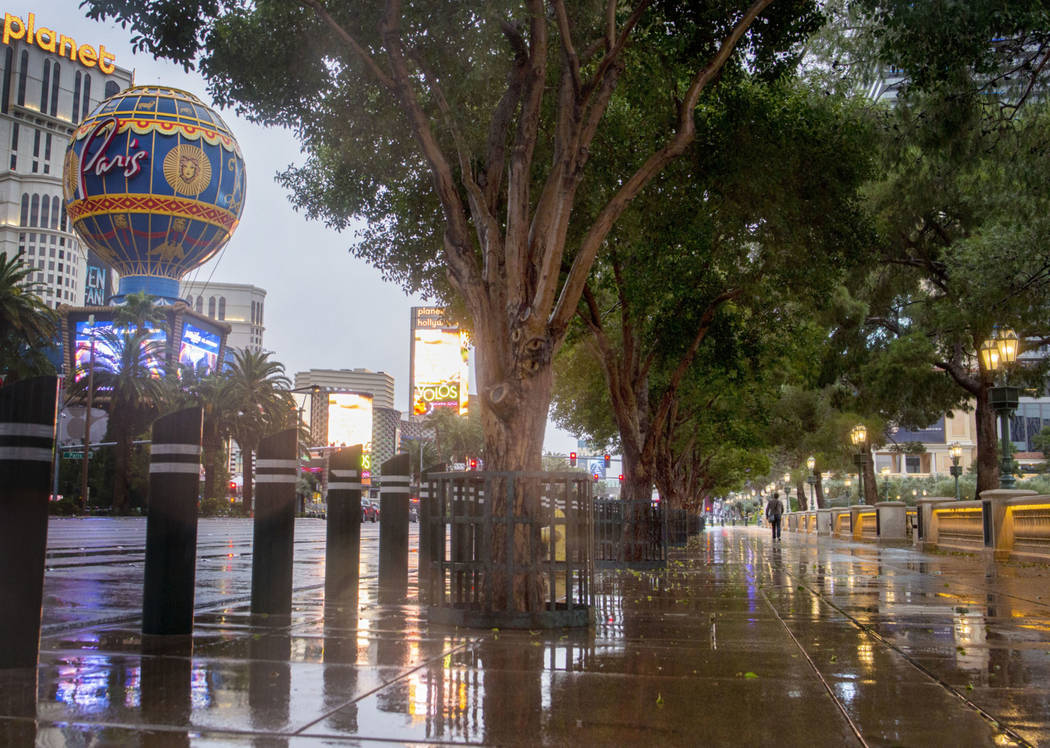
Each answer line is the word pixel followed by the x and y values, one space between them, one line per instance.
pixel 736 642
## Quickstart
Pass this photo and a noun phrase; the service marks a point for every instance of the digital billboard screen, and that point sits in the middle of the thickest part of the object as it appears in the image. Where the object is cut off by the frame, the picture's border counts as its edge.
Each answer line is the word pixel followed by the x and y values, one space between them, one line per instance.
pixel 106 357
pixel 199 349
pixel 440 363
pixel 350 422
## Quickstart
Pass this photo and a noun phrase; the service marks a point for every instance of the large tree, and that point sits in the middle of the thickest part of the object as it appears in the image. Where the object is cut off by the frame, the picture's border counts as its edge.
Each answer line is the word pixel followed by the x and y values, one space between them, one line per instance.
pixel 754 226
pixel 463 133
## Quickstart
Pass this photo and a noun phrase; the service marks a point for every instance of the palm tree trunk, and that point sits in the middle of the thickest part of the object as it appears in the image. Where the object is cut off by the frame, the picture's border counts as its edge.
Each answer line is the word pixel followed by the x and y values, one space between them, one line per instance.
pixel 248 461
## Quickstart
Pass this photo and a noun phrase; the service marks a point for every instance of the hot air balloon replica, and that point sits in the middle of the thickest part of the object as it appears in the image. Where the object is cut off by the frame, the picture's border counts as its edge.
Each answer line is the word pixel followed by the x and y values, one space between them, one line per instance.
pixel 153 182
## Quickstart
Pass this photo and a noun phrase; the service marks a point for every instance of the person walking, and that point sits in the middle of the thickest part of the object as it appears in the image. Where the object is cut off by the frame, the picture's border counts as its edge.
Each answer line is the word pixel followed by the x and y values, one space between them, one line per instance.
pixel 773 511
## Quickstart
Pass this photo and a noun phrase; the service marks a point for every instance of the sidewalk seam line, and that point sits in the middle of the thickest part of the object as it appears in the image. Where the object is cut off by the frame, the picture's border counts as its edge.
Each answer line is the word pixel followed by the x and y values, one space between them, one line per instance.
pixel 820 676
pixel 998 723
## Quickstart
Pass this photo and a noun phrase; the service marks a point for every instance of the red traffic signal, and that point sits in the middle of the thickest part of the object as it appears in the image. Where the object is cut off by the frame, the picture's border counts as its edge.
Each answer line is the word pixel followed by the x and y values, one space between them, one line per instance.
pixel 473 464
pixel 595 477
pixel 608 460
pixel 621 477
pixel 572 459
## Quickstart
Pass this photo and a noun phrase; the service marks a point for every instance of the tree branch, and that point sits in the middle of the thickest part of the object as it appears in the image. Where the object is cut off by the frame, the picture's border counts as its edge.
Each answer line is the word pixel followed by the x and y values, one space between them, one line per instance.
pixel 343 34
pixel 684 135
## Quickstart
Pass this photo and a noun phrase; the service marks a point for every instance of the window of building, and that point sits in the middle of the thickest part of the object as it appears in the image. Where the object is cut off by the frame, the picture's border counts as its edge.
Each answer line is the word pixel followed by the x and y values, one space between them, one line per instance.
pixel 86 103
pixel 200 305
pixel 23 73
pixel 211 307
pixel 36 151
pixel 56 210
pixel 9 58
pixel 47 153
pixel 45 83
pixel 55 71
pixel 76 97
pixel 112 89
pixel 45 212
pixel 24 219
pixel 222 307
pixel 912 464
pixel 34 212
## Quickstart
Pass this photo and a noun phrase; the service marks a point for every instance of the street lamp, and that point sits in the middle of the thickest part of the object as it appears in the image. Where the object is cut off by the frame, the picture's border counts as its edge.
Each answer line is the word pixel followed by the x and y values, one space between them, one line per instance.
pixel 859 436
pixel 956 469
pixel 886 482
pixel 811 479
pixel 997 353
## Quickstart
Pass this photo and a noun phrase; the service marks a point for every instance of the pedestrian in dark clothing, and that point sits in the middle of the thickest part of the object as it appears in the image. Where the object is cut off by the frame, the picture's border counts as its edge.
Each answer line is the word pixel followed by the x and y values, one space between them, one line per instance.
pixel 773 511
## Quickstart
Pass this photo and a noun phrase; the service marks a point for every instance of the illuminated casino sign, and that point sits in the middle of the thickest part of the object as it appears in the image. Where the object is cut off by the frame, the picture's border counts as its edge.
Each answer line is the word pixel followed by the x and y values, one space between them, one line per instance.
pixel 440 369
pixel 57 44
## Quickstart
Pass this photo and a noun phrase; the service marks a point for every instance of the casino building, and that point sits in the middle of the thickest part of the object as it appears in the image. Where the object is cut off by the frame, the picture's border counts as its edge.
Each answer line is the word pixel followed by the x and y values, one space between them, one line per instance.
pixel 43 96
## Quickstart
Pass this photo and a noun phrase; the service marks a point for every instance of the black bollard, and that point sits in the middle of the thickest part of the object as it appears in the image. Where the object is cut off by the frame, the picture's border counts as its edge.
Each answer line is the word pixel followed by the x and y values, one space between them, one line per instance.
pixel 393 530
pixel 27 443
pixel 342 560
pixel 171 527
pixel 273 535
pixel 431 533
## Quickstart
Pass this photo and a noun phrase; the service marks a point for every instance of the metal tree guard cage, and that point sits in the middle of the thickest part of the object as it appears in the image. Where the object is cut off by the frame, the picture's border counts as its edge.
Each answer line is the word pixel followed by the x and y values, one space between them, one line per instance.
pixel 547 545
pixel 614 551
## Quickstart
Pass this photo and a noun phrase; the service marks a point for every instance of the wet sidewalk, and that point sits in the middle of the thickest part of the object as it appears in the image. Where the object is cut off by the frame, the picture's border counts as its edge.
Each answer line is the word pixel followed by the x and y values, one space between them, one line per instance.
pixel 738 642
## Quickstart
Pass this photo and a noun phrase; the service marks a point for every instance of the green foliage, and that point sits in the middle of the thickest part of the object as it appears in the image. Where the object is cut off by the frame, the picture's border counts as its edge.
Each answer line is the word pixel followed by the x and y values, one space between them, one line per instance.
pixel 456 437
pixel 27 326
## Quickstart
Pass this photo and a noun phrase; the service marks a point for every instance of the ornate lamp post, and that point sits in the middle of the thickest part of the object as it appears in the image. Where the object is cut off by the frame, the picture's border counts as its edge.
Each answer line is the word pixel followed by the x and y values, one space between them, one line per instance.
pixel 885 472
pixel 859 437
pixel 956 469
pixel 787 492
pixel 811 479
pixel 997 353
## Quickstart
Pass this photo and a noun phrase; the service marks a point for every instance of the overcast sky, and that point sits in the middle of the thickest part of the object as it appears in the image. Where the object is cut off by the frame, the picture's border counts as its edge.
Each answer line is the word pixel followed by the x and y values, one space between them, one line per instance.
pixel 324 307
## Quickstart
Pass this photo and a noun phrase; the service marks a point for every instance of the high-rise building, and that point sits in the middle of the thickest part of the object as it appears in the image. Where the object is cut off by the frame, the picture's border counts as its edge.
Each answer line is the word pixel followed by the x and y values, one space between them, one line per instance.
pixel 237 304
pixel 317 384
pixel 378 384
pixel 48 83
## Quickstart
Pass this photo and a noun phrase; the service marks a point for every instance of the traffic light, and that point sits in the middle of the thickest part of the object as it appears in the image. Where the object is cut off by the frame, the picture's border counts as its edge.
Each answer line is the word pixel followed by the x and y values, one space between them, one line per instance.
pixel 608 460
pixel 572 459
pixel 595 477
pixel 473 464
pixel 621 477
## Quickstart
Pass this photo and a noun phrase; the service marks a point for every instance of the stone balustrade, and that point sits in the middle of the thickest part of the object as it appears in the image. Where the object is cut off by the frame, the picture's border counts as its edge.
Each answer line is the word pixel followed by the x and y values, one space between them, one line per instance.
pixel 1005 523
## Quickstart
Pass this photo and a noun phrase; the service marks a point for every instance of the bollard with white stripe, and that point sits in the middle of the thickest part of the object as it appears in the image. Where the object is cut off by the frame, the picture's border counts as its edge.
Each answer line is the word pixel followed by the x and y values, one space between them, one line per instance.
pixel 171 526
pixel 393 529
pixel 342 559
pixel 273 534
pixel 431 532
pixel 27 443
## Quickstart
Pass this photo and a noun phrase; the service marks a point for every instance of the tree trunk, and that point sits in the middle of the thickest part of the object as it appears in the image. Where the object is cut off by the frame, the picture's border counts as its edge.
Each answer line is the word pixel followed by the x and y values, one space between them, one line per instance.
pixel 871 487
pixel 122 465
pixel 514 430
pixel 819 488
pixel 247 490
pixel 987 444
pixel 212 456
pixel 636 495
pixel 800 488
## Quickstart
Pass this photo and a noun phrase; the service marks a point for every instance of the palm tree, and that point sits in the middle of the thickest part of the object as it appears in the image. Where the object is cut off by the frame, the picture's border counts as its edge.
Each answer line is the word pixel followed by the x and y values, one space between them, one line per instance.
pixel 261 403
pixel 27 325
pixel 186 387
pixel 139 311
pixel 125 378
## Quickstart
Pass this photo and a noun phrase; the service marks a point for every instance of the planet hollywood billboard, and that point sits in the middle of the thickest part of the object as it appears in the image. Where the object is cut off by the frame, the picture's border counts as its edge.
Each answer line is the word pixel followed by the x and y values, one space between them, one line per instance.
pixel 439 363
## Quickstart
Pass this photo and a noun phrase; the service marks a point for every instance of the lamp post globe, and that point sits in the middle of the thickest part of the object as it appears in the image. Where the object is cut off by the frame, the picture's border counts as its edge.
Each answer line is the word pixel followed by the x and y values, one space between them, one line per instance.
pixel 956 469
pixel 997 354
